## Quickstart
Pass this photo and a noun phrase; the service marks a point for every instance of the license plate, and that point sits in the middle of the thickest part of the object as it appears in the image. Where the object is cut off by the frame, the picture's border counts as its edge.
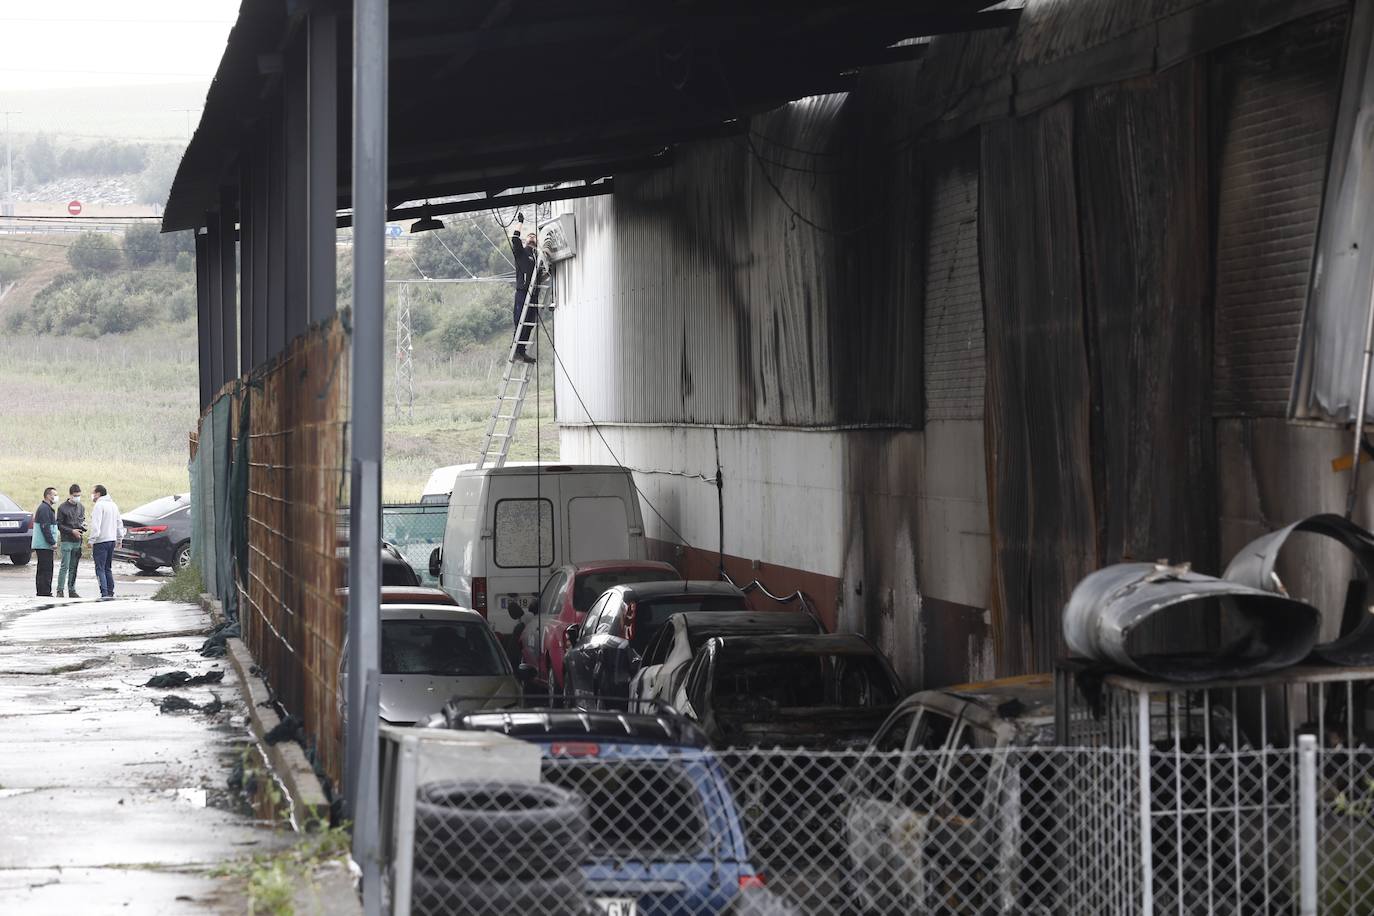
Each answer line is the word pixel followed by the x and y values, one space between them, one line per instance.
pixel 10 524
pixel 617 906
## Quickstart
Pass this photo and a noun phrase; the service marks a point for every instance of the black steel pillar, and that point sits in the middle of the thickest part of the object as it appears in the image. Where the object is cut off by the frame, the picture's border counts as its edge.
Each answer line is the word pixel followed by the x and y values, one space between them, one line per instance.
pixel 322 163
pixel 247 265
pixel 262 233
pixel 295 155
pixel 215 325
pixel 276 237
pixel 204 335
pixel 229 338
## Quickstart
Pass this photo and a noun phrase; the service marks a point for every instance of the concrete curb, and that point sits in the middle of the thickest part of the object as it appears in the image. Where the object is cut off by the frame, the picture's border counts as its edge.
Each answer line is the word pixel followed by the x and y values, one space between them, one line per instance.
pixel 309 805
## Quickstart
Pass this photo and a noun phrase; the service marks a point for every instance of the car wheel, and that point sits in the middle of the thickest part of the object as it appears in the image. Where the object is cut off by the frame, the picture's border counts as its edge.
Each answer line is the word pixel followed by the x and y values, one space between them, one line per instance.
pixel 508 832
pixel 19 559
pixel 183 556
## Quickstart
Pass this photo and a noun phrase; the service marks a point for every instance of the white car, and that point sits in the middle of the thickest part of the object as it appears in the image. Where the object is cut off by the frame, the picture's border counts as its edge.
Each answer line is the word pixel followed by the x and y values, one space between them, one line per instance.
pixel 431 654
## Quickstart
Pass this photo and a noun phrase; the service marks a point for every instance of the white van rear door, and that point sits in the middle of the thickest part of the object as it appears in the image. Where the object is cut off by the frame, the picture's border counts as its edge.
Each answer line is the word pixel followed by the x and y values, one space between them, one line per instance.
pixel 598 528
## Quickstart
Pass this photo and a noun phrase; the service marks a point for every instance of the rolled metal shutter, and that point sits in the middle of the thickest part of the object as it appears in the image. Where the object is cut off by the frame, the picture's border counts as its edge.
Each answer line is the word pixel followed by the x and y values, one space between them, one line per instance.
pixel 1273 107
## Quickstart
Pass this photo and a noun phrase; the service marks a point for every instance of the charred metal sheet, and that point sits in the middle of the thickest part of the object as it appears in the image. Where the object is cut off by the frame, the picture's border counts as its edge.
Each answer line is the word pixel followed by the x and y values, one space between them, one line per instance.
pixel 1112 606
pixel 1039 394
pixel 1254 566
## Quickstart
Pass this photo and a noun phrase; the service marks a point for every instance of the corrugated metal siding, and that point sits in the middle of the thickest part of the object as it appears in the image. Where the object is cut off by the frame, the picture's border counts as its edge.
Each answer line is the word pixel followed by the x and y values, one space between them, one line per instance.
pixel 954 347
pixel 720 305
pixel 1274 105
pixel 1039 396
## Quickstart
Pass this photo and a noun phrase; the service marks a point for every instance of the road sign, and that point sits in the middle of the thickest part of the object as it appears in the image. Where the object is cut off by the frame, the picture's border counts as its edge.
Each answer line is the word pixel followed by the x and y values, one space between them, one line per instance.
pixel 393 231
pixel 74 207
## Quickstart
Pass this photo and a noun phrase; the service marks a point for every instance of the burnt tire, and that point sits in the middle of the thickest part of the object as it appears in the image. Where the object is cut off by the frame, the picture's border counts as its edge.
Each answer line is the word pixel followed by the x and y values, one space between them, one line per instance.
pixel 505 832
pixel 20 559
pixel 562 895
pixel 146 566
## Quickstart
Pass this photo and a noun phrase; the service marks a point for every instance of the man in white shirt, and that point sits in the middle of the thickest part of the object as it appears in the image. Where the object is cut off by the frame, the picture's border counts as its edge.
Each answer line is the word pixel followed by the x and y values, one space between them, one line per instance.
pixel 106 533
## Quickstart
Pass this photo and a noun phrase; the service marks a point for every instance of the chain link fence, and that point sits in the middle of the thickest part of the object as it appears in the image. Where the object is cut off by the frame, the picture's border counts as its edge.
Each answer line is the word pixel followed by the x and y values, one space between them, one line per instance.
pixel 635 830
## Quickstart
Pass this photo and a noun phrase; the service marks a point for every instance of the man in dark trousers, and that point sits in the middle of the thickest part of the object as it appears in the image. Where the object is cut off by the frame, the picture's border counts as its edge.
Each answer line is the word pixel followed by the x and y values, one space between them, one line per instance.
pixel 45 540
pixel 71 524
pixel 526 253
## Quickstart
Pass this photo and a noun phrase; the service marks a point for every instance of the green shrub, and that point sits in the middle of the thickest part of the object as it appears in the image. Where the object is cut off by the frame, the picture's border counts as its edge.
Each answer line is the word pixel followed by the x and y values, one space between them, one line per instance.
pixel 92 252
pixel 185 586
pixel 142 245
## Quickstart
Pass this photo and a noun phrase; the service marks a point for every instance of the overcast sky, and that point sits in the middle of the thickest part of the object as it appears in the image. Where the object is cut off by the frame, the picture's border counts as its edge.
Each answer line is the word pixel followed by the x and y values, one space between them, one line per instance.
pixel 73 43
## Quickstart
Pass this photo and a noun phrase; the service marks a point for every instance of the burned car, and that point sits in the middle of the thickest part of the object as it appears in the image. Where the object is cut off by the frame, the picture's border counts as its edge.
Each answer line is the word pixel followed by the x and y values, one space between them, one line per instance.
pixel 827 691
pixel 934 815
pixel 670 653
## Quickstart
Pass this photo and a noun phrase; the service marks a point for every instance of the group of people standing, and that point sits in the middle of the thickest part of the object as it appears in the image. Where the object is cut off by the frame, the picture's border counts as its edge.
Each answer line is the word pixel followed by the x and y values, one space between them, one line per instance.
pixel 62 528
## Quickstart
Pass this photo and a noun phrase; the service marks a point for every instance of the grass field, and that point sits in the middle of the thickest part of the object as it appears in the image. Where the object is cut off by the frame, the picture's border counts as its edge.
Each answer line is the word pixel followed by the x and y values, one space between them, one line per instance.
pixel 119 411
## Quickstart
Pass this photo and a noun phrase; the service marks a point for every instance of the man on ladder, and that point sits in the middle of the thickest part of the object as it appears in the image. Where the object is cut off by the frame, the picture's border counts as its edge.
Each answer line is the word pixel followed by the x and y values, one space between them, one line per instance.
pixel 525 249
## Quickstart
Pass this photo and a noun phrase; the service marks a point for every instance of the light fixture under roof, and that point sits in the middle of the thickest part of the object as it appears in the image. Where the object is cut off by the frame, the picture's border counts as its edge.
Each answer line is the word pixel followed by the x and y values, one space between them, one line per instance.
pixel 426 222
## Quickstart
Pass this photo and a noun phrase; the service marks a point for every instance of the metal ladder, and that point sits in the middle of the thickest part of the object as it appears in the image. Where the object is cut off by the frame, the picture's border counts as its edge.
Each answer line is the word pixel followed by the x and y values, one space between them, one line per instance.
pixel 510 396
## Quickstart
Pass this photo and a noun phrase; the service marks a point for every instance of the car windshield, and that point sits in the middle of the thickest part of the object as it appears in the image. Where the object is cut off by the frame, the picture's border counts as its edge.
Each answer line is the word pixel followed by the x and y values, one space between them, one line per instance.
pixel 651 615
pixel 8 505
pixel 589 586
pixel 796 681
pixel 161 508
pixel 442 648
pixel 635 810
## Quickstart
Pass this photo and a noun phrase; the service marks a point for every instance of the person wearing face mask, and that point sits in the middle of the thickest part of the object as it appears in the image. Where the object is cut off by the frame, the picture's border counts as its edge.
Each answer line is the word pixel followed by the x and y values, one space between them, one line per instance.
pixel 44 540
pixel 71 522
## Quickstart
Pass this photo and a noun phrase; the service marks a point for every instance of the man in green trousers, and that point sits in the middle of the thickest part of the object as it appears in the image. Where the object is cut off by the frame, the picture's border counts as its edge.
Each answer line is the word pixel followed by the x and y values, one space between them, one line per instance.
pixel 71 522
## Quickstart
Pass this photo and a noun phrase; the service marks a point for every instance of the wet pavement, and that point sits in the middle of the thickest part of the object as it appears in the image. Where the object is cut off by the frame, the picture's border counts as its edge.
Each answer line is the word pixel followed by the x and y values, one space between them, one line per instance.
pixel 106 803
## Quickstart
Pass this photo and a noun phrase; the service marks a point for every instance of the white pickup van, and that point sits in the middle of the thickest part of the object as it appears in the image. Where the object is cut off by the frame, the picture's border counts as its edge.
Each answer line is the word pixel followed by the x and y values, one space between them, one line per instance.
pixel 509 528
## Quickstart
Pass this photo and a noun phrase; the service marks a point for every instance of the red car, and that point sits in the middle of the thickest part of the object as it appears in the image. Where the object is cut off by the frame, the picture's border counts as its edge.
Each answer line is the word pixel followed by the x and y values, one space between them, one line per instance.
pixel 564 600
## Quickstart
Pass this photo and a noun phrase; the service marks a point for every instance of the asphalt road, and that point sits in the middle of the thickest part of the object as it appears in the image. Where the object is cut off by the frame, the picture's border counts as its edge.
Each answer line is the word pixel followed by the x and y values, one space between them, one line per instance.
pixel 108 805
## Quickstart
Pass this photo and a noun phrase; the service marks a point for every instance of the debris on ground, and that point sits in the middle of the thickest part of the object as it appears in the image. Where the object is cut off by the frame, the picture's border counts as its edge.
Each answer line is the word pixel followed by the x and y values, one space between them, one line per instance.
pixel 286 730
pixel 174 703
pixel 214 646
pixel 184 679
pixel 213 706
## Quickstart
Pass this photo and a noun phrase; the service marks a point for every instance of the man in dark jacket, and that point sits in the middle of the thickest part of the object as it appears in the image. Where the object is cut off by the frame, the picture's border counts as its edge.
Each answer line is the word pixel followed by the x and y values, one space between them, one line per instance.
pixel 526 255
pixel 71 523
pixel 44 540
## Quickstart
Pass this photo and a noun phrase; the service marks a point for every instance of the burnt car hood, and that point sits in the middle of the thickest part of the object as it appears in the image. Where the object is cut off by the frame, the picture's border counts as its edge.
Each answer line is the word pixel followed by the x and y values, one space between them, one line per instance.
pixel 816 727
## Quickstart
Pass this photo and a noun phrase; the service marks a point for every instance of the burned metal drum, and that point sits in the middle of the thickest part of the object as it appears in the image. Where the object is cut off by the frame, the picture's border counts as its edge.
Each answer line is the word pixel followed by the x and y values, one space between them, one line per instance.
pixel 1255 566
pixel 1109 612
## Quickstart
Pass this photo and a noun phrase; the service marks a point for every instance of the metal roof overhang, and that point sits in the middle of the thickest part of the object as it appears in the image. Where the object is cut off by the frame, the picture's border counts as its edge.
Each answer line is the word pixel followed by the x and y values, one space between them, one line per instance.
pixel 487 95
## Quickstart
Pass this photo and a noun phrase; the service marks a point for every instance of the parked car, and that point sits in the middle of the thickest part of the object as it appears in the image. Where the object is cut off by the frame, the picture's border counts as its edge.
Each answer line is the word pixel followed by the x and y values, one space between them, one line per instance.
pixel 432 655
pixel 508 526
pixel 395 570
pixel 603 651
pixel 954 823
pixel 406 594
pixel 828 691
pixel 564 601
pixel 158 534
pixel 16 534
pixel 668 655
pixel 666 837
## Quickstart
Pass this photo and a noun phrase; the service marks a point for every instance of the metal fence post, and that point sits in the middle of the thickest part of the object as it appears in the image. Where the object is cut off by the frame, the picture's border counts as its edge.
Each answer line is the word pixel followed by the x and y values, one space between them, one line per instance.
pixel 404 861
pixel 1307 825
pixel 1147 852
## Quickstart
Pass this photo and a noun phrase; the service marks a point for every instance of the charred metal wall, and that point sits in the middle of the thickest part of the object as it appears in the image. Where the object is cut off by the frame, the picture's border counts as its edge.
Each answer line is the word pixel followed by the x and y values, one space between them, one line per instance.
pixel 1007 381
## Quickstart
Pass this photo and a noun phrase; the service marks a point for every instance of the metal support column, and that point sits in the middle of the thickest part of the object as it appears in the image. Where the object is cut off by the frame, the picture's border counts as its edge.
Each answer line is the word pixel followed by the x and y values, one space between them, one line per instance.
pixel 276 236
pixel 370 28
pixel 294 155
pixel 262 231
pixel 322 166
pixel 204 334
pixel 215 325
pixel 247 223
pixel 229 339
